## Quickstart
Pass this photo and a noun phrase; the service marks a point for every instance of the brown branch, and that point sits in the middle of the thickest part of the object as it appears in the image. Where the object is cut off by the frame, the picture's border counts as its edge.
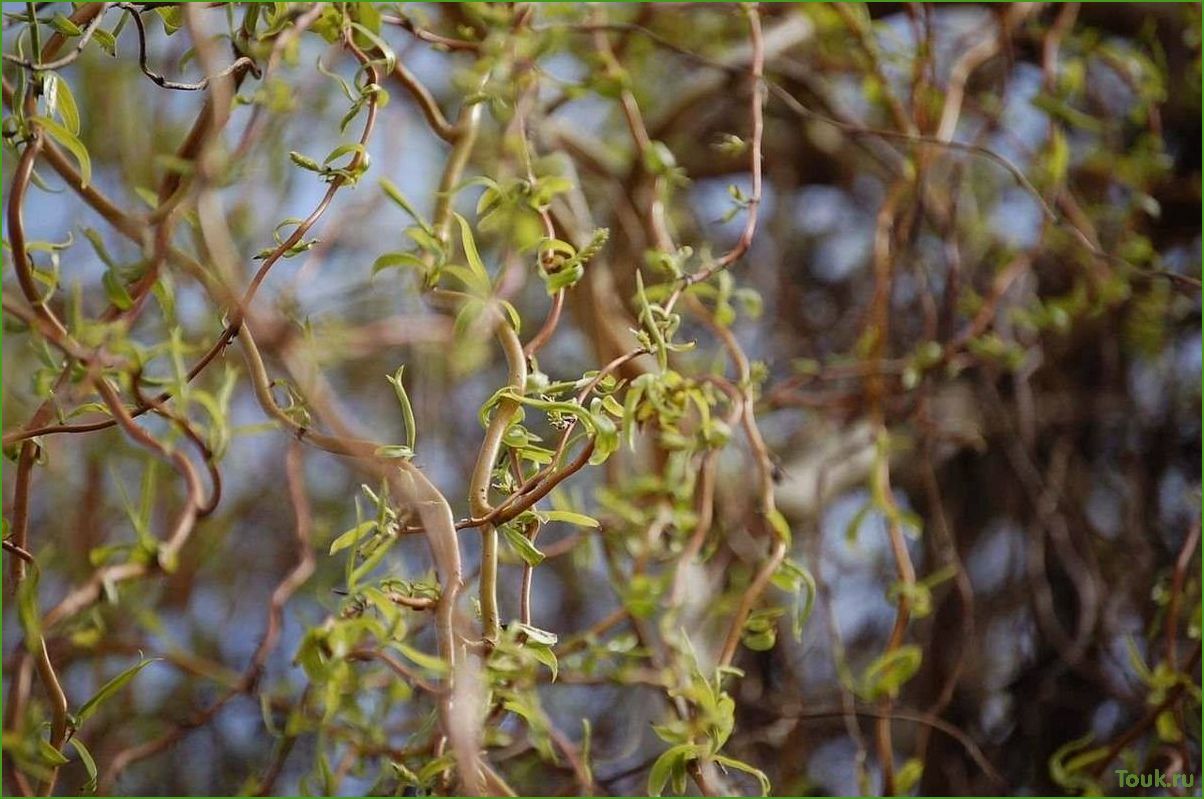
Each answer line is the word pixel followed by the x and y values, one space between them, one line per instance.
pixel 1182 563
pixel 426 103
pixel 757 114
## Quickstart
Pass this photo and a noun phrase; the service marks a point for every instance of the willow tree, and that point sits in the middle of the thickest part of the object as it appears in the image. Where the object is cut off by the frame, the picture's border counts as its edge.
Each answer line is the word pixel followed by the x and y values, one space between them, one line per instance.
pixel 569 398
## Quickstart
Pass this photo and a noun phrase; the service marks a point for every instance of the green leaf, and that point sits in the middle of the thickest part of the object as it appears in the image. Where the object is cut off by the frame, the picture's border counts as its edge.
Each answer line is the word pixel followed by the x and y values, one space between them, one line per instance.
pixel 89 762
pixel 434 768
pixel 659 159
pixel 110 688
pixel 172 16
pixel 911 523
pixel 69 140
pixel 587 735
pixel 407 410
pixel 522 545
pixel 908 776
pixel 428 662
pixel 546 656
pixel 105 41
pixel 396 196
pixel 305 162
pixel 887 674
pixel 470 251
pixel 515 320
pixel 546 188
pixel 569 517
pixel 565 277
pixel 671 765
pixel 392 259
pixel 740 765
pixel 556 246
pixel 854 526
pixel 1069 760
pixel 606 435
pixel 425 239
pixel 779 524
pixel 343 149
pixel 64 104
pixel 760 629
pixel 51 756
pixel 351 537
pixel 796 579
pixel 535 635
pixel 476 283
pixel 387 51
pixel 1168 727
pixel 1137 661
pixel 368 15
pixel 116 291
pixel 65 26
pixel 394 451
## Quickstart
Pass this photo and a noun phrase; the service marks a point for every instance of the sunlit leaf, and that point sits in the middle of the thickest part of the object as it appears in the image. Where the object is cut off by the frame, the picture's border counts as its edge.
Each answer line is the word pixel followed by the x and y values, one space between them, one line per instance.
pixel 69 140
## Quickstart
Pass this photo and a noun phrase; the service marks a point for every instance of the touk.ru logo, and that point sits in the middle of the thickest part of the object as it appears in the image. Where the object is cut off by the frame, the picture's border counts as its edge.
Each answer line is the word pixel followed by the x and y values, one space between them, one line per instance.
pixel 1127 779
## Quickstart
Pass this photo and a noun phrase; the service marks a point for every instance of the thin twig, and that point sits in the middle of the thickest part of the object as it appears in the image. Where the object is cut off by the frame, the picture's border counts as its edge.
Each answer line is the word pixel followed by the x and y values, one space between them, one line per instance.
pixel 242 63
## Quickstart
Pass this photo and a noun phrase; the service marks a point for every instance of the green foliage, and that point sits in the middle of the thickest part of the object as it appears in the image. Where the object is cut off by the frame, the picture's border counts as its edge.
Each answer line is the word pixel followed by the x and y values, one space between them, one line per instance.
pixel 887 674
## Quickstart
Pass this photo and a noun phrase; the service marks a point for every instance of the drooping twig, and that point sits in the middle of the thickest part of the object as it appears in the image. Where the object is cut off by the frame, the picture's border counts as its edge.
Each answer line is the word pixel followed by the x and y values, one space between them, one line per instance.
pixel 242 63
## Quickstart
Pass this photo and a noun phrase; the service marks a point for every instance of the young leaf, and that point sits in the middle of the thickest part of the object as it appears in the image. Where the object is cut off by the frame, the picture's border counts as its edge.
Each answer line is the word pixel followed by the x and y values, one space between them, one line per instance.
pixel 854 525
pixel 887 674
pixel 351 537
pixel 779 524
pixel 671 765
pixel 69 140
pixel 89 762
pixel 396 196
pixel 394 451
pixel 110 688
pixel 428 662
pixel 796 579
pixel 566 276
pixel 569 517
pixel 304 161
pixel 64 103
pixel 116 291
pixel 908 776
pixel 740 765
pixel 381 44
pixel 544 654
pixel 65 26
pixel 51 756
pixel 470 251
pixel 343 149
pixel 522 545
pixel 536 636
pixel 392 259
pixel 105 40
pixel 407 411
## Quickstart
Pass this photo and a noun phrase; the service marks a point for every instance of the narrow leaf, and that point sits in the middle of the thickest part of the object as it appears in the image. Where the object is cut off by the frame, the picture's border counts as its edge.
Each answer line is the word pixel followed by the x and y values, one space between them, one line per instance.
pixel 89 762
pixel 522 546
pixel 407 410
pixel 110 688
pixel 69 140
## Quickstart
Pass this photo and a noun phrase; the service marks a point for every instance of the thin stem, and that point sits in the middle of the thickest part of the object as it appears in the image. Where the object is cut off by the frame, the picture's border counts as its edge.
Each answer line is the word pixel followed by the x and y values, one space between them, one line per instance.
pixel 482 474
